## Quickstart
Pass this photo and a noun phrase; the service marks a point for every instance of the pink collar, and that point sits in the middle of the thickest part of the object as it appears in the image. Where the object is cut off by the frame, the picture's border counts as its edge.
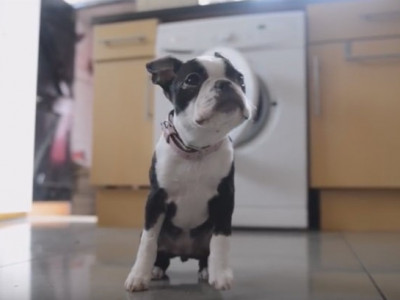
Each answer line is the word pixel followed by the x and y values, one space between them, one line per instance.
pixel 174 140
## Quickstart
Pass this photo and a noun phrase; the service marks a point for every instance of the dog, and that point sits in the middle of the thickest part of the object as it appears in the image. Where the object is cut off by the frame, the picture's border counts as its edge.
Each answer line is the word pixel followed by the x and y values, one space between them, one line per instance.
pixel 189 208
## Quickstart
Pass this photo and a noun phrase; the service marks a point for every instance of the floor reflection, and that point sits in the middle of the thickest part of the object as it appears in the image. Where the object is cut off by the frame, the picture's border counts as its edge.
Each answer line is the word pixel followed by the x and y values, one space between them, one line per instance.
pixel 80 261
pixel 15 242
pixel 165 290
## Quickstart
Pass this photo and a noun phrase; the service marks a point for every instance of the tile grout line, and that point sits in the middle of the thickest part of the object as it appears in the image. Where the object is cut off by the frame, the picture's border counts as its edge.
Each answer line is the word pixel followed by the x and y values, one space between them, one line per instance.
pixel 365 269
pixel 32 259
pixel 18 263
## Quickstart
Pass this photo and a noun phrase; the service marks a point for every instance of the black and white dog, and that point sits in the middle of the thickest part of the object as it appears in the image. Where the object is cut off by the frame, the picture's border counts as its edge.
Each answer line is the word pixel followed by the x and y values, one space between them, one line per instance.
pixel 189 209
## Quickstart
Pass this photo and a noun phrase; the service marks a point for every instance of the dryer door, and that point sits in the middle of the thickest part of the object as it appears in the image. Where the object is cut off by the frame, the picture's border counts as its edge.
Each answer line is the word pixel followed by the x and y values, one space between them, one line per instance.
pixel 257 96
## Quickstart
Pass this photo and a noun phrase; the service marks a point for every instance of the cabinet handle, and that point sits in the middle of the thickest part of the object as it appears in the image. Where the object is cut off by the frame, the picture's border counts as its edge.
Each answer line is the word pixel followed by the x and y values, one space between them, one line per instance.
pixel 148 115
pixel 316 89
pixel 382 16
pixel 178 51
pixel 123 41
pixel 349 56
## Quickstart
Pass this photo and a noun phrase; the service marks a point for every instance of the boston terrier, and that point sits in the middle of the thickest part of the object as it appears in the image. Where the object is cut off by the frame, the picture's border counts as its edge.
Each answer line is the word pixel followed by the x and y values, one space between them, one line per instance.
pixel 189 208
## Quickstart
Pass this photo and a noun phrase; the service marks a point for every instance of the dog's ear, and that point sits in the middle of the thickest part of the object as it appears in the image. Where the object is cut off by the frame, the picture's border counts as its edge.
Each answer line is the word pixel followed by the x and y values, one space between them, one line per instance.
pixel 163 72
pixel 219 55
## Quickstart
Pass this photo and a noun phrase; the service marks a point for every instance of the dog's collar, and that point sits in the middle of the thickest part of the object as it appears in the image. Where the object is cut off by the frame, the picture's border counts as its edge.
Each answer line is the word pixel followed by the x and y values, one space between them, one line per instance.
pixel 174 140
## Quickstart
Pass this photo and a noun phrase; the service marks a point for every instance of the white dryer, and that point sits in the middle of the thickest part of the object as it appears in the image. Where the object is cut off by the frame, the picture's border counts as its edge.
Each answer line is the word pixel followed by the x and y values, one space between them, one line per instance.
pixel 270 157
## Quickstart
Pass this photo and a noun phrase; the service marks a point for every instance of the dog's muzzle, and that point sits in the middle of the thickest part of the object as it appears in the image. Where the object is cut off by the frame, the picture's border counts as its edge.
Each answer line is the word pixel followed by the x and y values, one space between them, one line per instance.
pixel 227 98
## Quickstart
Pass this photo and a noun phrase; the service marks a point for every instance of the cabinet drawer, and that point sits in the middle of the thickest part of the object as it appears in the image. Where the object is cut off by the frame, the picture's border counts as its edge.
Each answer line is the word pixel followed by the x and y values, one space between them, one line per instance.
pixel 121 207
pixel 349 20
pixel 125 40
pixel 354 114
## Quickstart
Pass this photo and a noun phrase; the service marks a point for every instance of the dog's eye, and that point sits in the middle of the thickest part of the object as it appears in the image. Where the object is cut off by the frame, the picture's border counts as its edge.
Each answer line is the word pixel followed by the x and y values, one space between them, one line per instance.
pixel 241 82
pixel 193 79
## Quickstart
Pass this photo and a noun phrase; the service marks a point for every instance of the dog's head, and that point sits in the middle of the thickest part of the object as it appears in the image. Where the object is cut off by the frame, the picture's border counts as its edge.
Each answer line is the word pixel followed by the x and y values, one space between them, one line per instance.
pixel 208 95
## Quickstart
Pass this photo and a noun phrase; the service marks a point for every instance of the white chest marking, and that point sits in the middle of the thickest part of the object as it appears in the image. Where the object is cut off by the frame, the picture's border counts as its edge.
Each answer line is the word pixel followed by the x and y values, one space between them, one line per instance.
pixel 191 184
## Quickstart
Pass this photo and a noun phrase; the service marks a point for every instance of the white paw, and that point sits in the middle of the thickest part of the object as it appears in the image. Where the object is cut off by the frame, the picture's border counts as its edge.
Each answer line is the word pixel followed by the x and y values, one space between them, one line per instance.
pixel 157 273
pixel 136 282
pixel 221 279
pixel 203 274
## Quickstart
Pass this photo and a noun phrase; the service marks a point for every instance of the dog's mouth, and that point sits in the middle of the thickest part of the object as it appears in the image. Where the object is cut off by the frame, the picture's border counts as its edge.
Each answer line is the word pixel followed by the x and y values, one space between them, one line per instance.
pixel 201 121
pixel 204 119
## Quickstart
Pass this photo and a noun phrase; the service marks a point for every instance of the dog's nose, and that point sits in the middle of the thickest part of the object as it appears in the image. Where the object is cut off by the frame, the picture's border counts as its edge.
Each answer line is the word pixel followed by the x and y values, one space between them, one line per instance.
pixel 223 85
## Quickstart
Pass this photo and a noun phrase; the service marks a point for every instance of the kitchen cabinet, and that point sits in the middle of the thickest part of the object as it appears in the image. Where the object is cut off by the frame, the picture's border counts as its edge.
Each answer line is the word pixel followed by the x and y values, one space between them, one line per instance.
pixel 360 209
pixel 122 135
pixel 346 20
pixel 354 114
pixel 354 85
pixel 125 40
pixel 123 97
pixel 354 104
pixel 121 207
pixel 122 120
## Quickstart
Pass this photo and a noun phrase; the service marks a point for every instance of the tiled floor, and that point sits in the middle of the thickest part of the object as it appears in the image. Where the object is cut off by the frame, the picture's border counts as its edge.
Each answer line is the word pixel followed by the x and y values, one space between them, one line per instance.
pixel 75 260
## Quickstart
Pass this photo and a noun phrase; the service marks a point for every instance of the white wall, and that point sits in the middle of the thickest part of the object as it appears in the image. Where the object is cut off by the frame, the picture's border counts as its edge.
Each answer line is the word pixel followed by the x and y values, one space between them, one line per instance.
pixel 19 37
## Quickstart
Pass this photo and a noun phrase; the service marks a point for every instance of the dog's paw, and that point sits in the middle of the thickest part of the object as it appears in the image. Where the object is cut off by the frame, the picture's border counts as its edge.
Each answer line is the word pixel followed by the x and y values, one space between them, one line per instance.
pixel 203 274
pixel 157 273
pixel 221 279
pixel 136 282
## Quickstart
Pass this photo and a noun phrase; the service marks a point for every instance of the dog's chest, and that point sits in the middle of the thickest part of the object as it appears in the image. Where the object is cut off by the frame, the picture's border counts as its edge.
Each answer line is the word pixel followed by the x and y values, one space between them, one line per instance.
pixel 190 184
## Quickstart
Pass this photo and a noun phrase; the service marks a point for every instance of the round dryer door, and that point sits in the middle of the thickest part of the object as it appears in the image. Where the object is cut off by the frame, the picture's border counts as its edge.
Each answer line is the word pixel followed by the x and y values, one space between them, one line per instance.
pixel 256 93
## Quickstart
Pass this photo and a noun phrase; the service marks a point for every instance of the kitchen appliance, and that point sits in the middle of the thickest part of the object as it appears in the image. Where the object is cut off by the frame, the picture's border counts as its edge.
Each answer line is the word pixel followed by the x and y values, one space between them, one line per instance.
pixel 270 155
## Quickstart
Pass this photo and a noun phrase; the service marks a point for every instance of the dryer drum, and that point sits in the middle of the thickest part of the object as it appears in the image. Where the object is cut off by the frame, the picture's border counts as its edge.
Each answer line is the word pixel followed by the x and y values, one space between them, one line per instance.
pixel 260 118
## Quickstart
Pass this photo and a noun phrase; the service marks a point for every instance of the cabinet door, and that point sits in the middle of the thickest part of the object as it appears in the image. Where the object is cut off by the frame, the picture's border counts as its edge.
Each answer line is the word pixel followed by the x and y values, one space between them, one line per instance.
pixel 121 207
pixel 131 39
pixel 338 20
pixel 355 114
pixel 122 132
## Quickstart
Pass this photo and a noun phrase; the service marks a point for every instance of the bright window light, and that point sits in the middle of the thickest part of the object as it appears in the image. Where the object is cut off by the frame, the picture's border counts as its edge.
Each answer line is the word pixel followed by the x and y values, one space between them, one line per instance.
pixel 19 39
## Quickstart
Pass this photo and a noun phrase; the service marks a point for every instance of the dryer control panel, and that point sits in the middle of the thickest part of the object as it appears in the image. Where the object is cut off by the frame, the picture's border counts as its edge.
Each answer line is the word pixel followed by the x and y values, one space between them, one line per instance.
pixel 275 31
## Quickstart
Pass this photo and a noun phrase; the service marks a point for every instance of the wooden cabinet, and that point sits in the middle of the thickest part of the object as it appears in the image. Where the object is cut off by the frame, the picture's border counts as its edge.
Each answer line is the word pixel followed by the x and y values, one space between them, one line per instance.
pixel 125 40
pixel 354 89
pixel 354 108
pixel 123 99
pixel 121 207
pixel 360 210
pixel 362 19
pixel 122 135
pixel 122 121
pixel 354 114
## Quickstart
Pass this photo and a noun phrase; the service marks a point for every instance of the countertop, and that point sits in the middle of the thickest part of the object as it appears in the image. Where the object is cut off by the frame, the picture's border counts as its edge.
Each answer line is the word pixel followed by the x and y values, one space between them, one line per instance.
pixel 212 10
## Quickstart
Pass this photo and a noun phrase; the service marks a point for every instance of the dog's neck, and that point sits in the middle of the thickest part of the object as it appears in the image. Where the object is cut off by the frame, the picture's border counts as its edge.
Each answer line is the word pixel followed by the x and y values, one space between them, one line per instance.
pixel 184 150
pixel 195 136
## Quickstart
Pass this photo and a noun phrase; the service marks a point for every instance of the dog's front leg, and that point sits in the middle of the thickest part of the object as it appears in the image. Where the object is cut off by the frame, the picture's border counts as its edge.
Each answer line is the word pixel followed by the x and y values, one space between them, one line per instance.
pixel 140 275
pixel 221 210
pixel 220 273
